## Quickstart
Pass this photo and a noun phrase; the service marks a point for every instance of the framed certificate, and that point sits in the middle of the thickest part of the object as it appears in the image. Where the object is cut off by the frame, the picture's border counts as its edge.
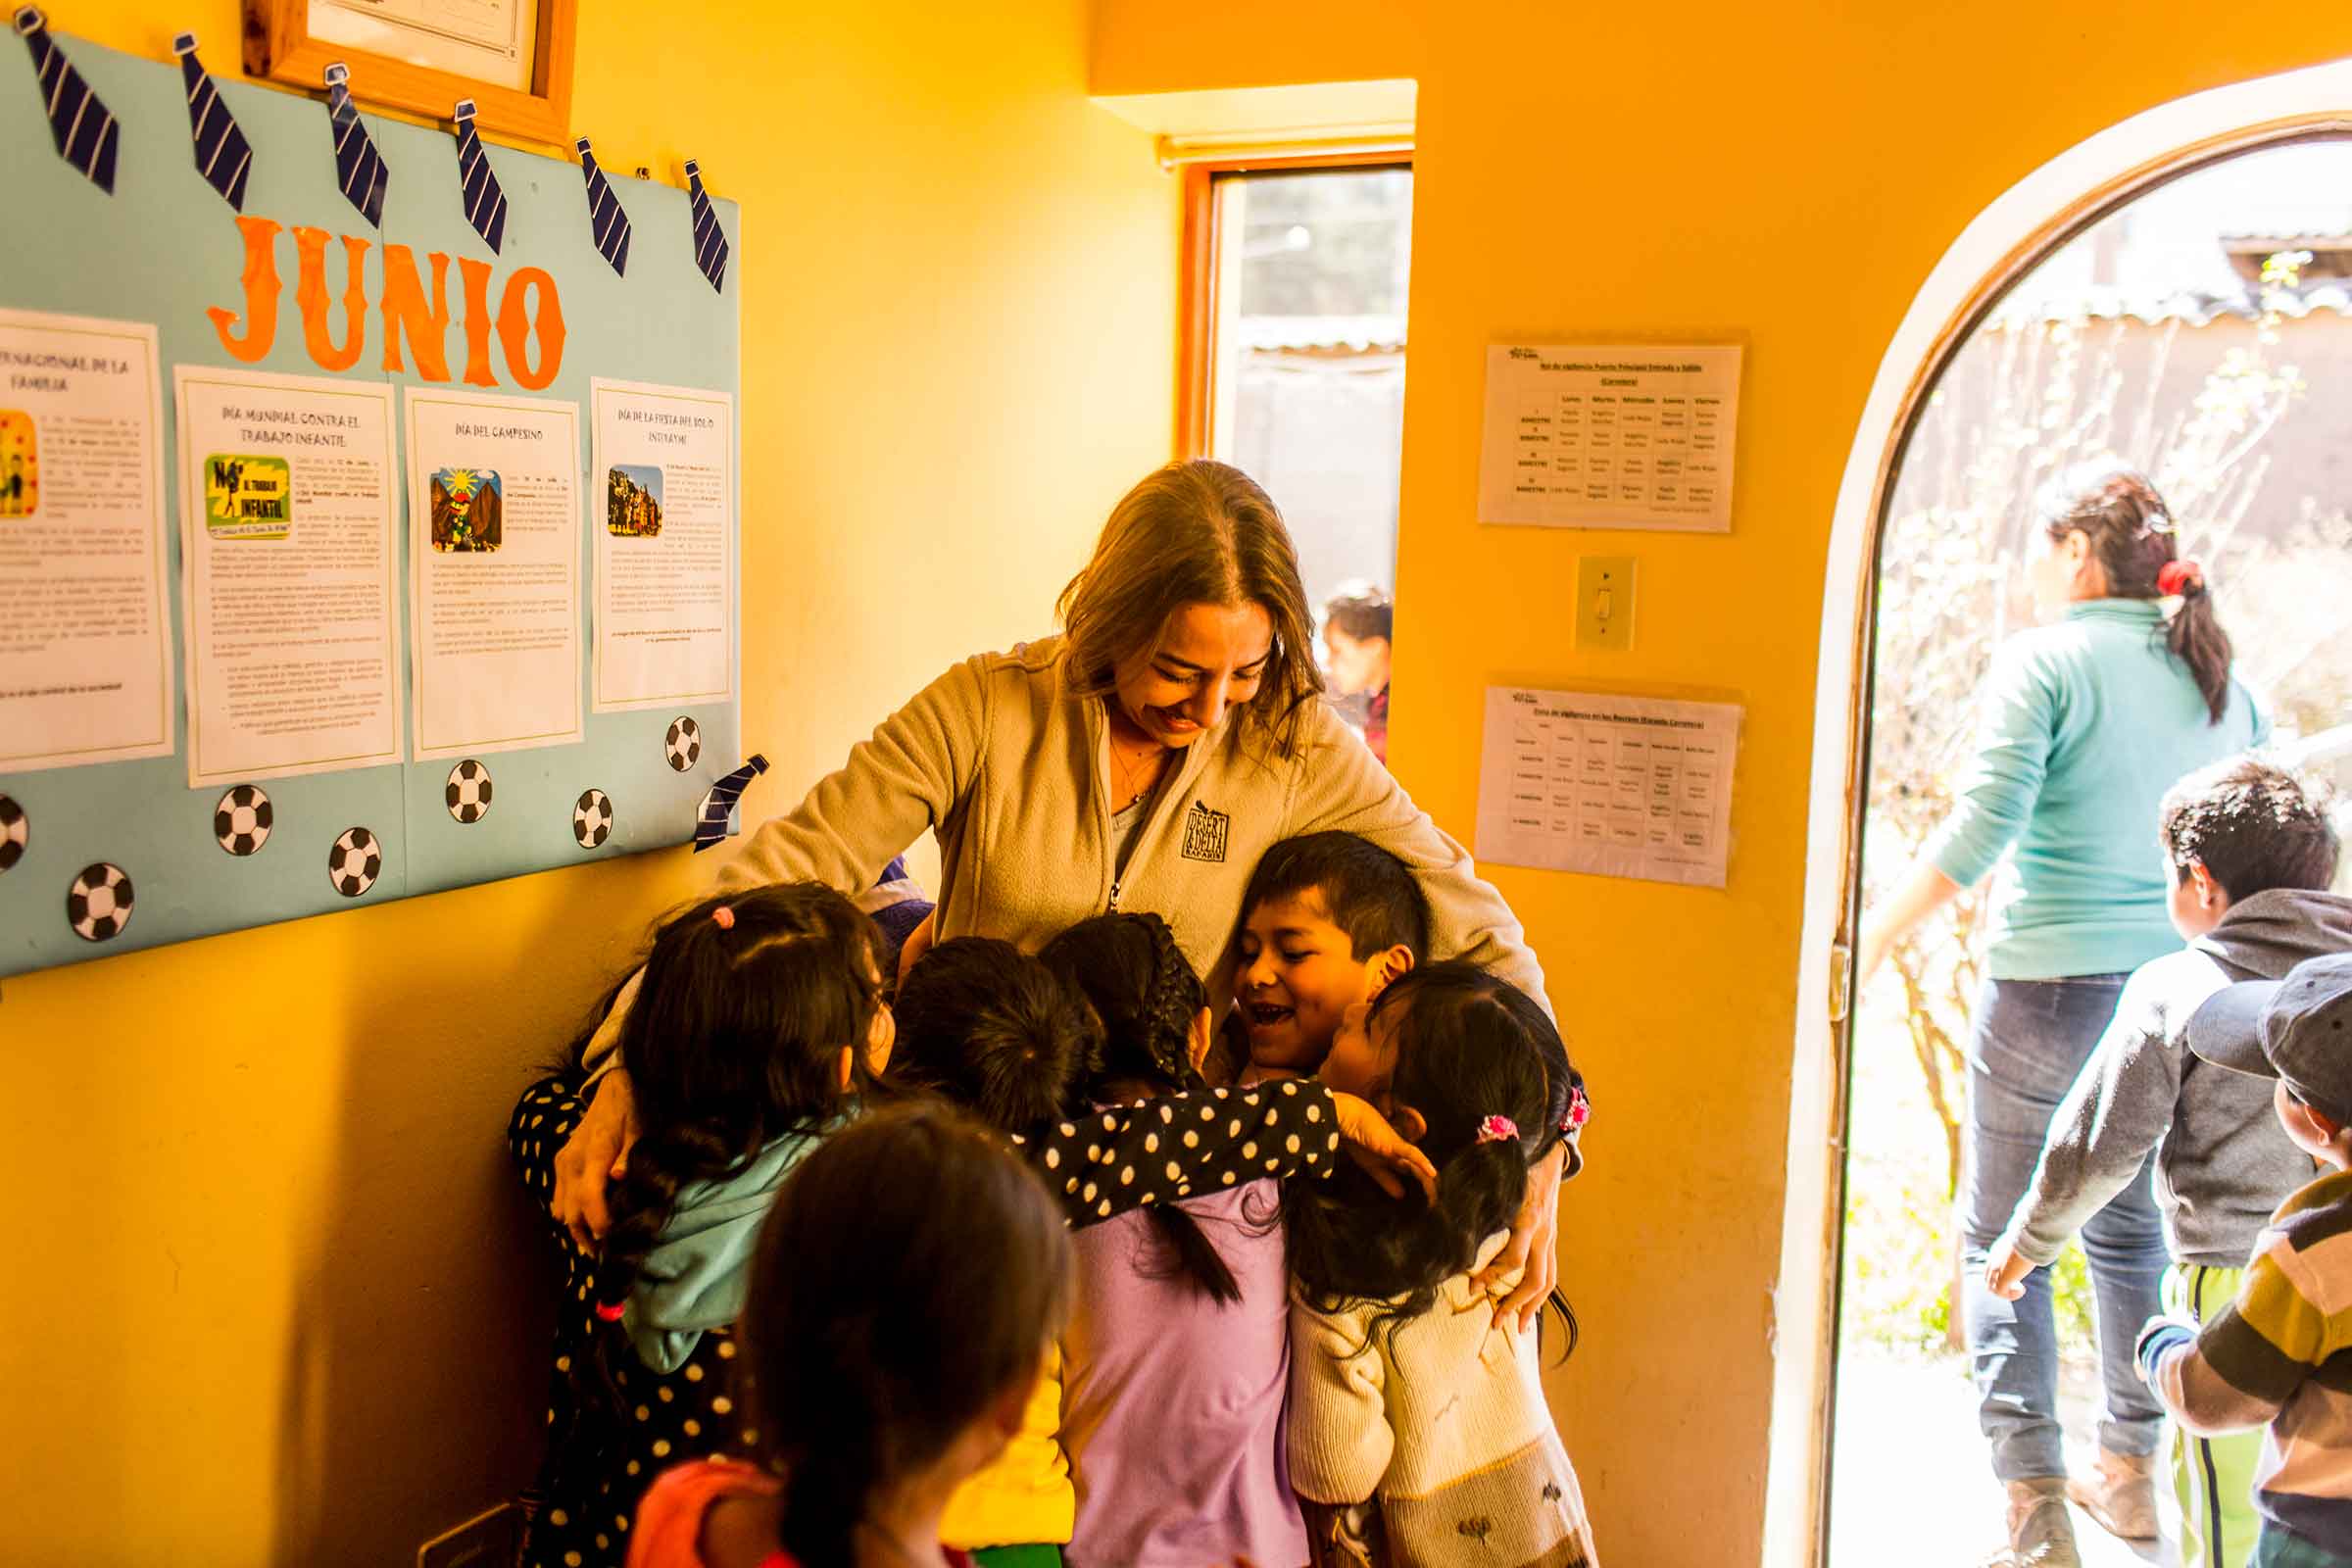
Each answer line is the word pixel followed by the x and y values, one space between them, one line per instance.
pixel 511 56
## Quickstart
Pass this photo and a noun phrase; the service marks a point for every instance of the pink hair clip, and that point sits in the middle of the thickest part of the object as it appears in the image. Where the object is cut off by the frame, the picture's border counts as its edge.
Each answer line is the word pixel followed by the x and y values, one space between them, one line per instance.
pixel 611 1311
pixel 725 915
pixel 1580 1110
pixel 1494 1129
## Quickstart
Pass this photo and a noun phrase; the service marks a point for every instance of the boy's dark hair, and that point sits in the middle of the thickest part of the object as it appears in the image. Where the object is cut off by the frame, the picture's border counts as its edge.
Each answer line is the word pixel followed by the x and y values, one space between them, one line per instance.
pixel 1370 894
pixel 734 1040
pixel 1362 612
pixel 992 1029
pixel 909 1273
pixel 2254 824
pixel 1470 1046
pixel 1145 995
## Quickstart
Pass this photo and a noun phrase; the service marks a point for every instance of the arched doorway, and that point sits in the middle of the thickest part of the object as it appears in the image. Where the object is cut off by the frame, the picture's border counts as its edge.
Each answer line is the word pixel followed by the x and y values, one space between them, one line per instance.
pixel 2019 235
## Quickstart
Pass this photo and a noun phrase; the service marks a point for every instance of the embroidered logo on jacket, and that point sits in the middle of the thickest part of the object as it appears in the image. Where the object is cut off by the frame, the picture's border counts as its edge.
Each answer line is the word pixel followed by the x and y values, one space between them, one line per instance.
pixel 1205 834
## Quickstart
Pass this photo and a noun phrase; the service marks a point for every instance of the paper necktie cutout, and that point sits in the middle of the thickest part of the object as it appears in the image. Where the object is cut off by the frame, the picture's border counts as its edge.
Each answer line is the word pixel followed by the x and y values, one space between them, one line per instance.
pixel 224 157
pixel 709 241
pixel 719 804
pixel 605 215
pixel 485 203
pixel 358 168
pixel 84 132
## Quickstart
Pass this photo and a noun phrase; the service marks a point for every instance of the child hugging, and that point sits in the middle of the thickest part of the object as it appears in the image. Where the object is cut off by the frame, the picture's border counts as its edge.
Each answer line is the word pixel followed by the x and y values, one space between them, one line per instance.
pixel 1176 1361
pixel 757 1026
pixel 1408 1391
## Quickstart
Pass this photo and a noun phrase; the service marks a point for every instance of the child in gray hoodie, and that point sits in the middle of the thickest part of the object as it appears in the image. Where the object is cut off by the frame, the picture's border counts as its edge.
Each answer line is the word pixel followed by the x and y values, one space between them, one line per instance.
pixel 2250 853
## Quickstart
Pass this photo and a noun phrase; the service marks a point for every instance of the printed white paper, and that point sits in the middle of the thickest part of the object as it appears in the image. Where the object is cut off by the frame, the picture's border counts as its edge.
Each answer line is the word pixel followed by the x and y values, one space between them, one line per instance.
pixel 85 642
pixel 661 508
pixel 286 506
pixel 1612 437
pixel 1617 786
pixel 494 602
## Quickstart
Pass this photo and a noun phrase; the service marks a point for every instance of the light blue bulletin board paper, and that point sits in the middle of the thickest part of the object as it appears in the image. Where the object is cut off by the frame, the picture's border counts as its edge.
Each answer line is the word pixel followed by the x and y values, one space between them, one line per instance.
pixel 166 248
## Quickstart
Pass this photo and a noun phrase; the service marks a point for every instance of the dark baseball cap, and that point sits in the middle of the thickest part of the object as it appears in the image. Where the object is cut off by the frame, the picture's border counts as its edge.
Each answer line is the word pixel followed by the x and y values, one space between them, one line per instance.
pixel 2297 1030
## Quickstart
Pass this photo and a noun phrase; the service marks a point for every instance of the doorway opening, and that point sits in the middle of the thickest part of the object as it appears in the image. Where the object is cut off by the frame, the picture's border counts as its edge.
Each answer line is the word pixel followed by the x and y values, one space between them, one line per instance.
pixel 2195 323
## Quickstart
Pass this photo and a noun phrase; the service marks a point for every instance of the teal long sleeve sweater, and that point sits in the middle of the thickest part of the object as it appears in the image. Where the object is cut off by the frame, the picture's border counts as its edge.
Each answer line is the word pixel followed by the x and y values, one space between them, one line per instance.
pixel 2084 725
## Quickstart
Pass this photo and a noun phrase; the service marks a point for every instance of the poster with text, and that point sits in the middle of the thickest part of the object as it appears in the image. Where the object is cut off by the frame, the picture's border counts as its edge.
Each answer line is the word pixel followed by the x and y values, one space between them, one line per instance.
pixel 1609 437
pixel 286 506
pixel 494 556
pixel 85 642
pixel 661 510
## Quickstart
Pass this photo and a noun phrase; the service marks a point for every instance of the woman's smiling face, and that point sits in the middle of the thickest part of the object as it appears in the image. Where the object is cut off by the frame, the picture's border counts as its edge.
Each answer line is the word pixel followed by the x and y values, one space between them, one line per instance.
pixel 1210 658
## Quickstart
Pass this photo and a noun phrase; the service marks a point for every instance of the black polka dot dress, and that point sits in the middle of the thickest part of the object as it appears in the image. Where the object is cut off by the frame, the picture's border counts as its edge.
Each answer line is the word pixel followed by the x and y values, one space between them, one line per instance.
pixel 1182 1146
pixel 600 1456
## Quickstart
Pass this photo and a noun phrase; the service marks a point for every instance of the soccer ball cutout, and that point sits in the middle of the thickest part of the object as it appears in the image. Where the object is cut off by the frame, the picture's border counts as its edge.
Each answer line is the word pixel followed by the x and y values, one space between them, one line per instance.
pixel 241 819
pixel 98 904
pixel 14 832
pixel 684 746
pixel 469 792
pixel 592 819
pixel 355 862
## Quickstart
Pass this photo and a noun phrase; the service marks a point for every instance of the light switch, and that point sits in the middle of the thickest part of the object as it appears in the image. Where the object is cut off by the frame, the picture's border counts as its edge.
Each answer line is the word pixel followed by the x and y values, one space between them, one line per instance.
pixel 1604 604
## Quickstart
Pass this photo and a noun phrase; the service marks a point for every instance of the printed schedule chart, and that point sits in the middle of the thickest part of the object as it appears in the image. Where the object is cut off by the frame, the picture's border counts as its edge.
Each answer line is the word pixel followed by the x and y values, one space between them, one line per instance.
pixel 1609 437
pixel 1617 786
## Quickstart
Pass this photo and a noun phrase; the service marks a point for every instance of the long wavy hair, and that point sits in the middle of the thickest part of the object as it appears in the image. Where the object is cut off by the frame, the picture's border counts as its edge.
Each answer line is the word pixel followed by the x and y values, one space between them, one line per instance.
pixel 909 1275
pixel 1144 990
pixel 1194 532
pixel 1470 1046
pixel 2133 538
pixel 733 1042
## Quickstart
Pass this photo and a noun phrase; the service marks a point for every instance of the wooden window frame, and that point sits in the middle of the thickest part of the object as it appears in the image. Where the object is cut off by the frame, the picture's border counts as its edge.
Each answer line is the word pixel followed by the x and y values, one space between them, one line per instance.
pixel 1197 280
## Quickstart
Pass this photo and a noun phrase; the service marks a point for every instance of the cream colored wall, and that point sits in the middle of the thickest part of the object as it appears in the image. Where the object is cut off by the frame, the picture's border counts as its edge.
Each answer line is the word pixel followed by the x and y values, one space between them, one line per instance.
pixel 1778 176
pixel 271 1294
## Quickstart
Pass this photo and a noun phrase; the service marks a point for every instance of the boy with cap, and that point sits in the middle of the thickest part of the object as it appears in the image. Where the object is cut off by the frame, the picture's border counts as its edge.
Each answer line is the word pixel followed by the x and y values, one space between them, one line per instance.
pixel 2282 1353
pixel 2250 854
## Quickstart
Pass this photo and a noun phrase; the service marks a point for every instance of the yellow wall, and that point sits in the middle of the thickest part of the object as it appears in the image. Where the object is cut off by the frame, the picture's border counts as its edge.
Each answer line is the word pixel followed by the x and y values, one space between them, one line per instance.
pixel 1782 176
pixel 270 1292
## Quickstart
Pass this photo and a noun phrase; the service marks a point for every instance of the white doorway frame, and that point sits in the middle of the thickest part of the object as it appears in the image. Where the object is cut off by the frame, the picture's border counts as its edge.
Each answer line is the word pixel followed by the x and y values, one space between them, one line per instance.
pixel 2009 238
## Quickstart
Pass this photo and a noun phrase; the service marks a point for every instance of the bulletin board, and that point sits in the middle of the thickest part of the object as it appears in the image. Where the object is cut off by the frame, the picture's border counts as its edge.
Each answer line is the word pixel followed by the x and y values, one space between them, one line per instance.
pixel 562 675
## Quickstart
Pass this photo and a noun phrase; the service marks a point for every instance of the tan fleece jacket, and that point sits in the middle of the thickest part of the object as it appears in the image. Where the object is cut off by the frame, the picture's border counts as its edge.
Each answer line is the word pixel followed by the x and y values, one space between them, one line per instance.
pixel 1011 772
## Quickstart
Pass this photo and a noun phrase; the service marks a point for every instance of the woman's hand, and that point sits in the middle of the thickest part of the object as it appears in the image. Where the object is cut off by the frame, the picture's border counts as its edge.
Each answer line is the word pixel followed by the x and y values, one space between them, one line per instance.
pixel 2005 1271
pixel 1533 1246
pixel 597 1152
pixel 1380 1148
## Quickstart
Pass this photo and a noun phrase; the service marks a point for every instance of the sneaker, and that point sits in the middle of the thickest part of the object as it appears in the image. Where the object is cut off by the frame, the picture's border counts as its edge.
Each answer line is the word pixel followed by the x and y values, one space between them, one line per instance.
pixel 2121 1496
pixel 2040 1535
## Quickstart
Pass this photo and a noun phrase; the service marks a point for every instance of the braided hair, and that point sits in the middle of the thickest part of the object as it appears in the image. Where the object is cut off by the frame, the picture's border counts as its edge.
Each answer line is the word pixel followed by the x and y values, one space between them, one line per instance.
pixel 734 1041
pixel 908 1278
pixel 1144 992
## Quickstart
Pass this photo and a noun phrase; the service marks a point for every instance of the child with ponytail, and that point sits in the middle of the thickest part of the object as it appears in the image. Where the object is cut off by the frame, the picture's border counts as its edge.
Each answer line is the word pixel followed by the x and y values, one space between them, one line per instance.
pixel 905 1288
pixel 1176 1362
pixel 759 1024
pixel 1399 1400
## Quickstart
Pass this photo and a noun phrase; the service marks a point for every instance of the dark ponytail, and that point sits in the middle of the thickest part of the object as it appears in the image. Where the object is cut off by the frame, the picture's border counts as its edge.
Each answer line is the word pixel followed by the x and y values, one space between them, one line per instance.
pixel 2136 544
pixel 910 1274
pixel 734 1041
pixel 1470 1048
pixel 1144 992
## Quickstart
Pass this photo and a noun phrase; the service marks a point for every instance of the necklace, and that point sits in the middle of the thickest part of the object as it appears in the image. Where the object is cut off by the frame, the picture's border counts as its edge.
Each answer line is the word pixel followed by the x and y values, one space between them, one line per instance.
pixel 1133 780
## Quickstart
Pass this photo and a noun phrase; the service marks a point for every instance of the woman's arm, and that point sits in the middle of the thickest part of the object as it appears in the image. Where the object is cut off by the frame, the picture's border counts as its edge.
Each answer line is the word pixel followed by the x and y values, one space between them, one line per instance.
pixel 1343 787
pixel 1182 1146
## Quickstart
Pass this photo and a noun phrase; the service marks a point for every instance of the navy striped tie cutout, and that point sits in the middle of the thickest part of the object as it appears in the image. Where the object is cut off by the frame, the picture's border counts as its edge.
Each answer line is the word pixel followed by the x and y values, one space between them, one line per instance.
pixel 85 134
pixel 224 157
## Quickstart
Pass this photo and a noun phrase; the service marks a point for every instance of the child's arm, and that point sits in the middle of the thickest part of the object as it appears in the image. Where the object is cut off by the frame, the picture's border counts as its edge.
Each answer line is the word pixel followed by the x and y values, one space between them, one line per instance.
pixel 2099 1140
pixel 2249 1358
pixel 1159 1151
pixel 543 1119
pixel 1340 1437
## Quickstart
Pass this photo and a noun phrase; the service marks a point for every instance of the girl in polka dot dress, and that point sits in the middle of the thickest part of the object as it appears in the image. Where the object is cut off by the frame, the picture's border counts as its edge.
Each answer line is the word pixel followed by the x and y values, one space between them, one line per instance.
pixel 759 1024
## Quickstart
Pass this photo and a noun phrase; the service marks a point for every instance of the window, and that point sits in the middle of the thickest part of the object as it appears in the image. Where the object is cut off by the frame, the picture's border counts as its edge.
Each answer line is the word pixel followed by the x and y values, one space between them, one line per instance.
pixel 1294 369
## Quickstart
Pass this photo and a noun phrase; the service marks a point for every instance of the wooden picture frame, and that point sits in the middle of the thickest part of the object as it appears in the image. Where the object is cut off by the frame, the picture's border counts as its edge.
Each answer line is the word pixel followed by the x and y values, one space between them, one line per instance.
pixel 280 47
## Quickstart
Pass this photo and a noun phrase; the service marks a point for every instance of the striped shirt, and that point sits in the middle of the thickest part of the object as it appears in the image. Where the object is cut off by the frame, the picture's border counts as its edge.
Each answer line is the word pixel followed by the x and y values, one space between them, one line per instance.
pixel 2282 1354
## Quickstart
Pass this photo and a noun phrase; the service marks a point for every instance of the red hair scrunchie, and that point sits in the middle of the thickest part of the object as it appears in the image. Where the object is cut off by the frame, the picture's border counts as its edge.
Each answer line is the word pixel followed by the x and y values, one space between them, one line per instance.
pixel 2176 577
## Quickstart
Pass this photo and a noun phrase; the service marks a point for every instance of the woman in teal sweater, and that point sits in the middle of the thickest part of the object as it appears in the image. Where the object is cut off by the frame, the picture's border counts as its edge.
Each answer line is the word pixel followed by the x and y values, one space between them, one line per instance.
pixel 2083 723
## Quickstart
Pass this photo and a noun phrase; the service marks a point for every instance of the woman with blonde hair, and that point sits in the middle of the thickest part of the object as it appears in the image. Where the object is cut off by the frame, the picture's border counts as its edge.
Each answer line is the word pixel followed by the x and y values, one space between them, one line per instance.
pixel 1142 760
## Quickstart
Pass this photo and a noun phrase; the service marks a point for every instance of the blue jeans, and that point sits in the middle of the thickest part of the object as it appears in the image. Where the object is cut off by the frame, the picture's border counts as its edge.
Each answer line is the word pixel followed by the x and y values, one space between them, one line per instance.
pixel 2030 1041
